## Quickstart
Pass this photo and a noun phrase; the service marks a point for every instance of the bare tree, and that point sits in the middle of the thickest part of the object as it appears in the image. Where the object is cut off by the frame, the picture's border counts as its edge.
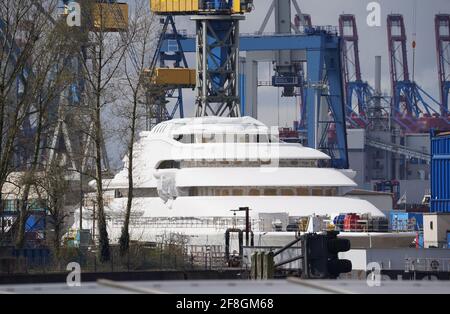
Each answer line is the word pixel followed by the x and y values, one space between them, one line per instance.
pixel 33 51
pixel 107 51
pixel 141 34
pixel 52 188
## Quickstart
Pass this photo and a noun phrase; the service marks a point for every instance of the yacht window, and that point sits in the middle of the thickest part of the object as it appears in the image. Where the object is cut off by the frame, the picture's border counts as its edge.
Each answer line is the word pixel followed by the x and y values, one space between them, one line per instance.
pixel 149 192
pixel 270 192
pixel 238 192
pixel 302 191
pixel 185 138
pixel 10 205
pixel 118 194
pixel 317 192
pixel 169 164
pixel 137 192
pixel 254 192
pixel 207 138
pixel 287 192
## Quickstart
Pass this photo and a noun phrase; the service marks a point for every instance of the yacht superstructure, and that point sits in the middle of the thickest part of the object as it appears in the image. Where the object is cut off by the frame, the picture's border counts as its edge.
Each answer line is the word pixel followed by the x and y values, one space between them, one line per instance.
pixel 191 175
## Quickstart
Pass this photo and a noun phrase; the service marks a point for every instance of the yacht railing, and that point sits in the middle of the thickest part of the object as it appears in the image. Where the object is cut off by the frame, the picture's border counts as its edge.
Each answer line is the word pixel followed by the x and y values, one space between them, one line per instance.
pixel 427 265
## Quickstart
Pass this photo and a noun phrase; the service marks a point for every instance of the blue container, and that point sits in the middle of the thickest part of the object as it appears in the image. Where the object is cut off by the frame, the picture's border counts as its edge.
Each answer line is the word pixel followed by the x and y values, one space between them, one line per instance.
pixel 448 240
pixel 403 221
pixel 416 220
pixel 440 172
pixel 399 221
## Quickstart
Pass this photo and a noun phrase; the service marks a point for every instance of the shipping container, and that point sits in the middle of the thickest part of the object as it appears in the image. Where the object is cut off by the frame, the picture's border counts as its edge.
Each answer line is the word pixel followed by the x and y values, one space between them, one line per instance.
pixel 440 171
pixel 180 7
pixel 175 77
pixel 174 6
pixel 110 17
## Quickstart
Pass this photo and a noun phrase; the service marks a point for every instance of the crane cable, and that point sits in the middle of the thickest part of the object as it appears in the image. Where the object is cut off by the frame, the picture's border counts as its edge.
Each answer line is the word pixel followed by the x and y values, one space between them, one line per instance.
pixel 414 42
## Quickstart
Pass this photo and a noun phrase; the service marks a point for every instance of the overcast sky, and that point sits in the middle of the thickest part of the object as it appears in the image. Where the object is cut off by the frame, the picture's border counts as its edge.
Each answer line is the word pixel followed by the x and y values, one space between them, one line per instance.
pixel 373 41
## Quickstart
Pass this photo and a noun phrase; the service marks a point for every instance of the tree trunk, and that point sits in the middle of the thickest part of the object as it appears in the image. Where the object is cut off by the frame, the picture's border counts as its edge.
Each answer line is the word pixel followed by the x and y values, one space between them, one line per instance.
pixel 57 237
pixel 103 232
pixel 20 239
pixel 125 237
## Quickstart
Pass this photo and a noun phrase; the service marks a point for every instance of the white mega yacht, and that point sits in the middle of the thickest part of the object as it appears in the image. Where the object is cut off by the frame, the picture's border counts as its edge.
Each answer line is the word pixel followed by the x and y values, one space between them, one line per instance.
pixel 191 177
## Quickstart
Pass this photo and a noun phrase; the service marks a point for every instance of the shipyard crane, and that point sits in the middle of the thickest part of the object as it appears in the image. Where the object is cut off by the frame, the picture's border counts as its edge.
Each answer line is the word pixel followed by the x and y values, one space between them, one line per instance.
pixel 106 16
pixel 167 80
pixel 217 52
pixel 442 24
pixel 410 103
pixel 365 106
pixel 288 71
pixel 60 142
pixel 358 93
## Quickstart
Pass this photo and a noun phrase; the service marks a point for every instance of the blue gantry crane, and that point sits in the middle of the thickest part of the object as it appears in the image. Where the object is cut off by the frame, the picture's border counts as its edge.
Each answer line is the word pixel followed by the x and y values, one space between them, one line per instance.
pixel 217 51
pixel 169 79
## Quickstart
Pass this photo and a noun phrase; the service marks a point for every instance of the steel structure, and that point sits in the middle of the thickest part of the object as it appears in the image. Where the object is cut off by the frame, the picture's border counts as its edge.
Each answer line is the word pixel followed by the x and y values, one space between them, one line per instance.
pixel 288 71
pixel 442 24
pixel 217 51
pixel 409 101
pixel 12 49
pixel 159 97
pixel 218 65
pixel 358 93
pixel 62 142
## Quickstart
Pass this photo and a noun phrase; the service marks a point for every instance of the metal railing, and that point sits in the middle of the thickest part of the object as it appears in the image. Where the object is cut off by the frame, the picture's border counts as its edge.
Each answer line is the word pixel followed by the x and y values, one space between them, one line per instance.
pixel 303 31
pixel 427 265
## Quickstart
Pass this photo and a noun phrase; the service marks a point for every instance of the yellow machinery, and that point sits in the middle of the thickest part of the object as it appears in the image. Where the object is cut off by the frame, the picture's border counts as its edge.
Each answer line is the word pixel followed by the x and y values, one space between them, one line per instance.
pixel 189 7
pixel 174 77
pixel 110 17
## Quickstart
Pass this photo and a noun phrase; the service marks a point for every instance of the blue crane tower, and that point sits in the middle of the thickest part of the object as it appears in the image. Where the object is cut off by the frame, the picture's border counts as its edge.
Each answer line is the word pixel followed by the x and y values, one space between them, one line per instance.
pixel 167 87
pixel 217 52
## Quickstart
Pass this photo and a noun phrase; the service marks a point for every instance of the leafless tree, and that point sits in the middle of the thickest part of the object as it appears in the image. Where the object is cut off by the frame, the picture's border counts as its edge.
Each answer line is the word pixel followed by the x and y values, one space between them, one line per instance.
pixel 52 188
pixel 33 50
pixel 107 52
pixel 141 34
